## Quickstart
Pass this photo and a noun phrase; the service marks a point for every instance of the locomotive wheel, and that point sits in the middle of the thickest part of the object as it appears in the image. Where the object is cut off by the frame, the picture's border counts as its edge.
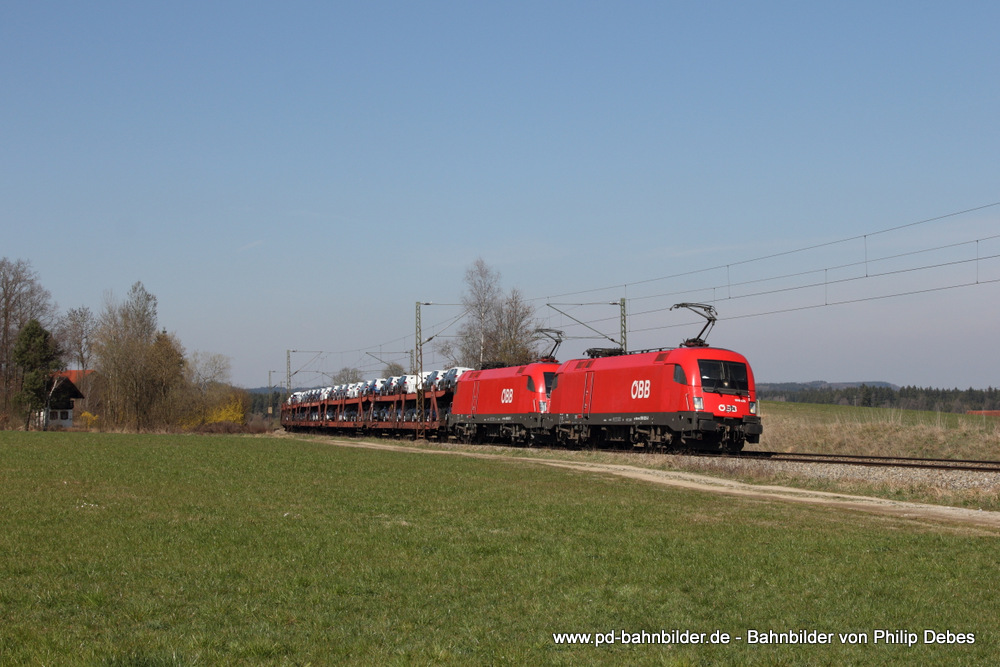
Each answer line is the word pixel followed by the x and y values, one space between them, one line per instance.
pixel 598 438
pixel 735 444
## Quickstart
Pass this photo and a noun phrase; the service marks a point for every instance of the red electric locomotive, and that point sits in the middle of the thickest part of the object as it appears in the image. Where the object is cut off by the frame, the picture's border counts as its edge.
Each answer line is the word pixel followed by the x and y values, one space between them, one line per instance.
pixel 502 403
pixel 689 397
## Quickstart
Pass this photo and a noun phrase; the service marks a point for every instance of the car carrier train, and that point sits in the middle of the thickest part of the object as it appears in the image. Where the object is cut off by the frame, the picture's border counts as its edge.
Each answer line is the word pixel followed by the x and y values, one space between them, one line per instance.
pixel 690 397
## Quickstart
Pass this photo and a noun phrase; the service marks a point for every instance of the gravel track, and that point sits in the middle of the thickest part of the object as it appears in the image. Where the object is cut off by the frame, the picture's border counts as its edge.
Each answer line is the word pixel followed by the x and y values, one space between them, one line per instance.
pixel 948 480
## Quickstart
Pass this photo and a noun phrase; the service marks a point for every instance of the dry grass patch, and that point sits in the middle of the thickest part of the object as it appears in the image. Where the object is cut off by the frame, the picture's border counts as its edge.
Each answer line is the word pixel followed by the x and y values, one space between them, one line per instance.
pixel 883 432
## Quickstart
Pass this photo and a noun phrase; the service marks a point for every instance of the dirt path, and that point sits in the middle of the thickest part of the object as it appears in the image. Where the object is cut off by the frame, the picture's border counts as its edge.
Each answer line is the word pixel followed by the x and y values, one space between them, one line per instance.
pixel 905 510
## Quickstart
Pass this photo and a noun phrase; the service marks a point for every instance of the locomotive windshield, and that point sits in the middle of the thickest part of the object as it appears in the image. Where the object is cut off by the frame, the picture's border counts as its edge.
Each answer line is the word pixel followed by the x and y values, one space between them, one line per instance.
pixel 724 377
pixel 550 379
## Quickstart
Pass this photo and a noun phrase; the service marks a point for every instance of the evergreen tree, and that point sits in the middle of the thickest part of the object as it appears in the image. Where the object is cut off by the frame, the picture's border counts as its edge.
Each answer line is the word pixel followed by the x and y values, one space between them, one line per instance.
pixel 22 299
pixel 37 355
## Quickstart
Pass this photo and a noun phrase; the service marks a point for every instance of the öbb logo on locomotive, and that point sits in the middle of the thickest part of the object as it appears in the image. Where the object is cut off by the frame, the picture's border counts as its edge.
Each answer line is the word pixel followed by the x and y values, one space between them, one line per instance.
pixel 640 389
pixel 705 398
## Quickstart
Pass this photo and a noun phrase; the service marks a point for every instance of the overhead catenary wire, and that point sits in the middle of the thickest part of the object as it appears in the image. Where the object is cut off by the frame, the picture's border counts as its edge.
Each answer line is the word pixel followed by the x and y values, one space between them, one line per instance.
pixel 867 262
pixel 769 256
pixel 824 282
pixel 732 288
pixel 824 270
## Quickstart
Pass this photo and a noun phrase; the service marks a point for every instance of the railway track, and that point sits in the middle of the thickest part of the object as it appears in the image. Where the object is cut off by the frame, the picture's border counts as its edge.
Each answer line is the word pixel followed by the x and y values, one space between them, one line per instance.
pixel 872 461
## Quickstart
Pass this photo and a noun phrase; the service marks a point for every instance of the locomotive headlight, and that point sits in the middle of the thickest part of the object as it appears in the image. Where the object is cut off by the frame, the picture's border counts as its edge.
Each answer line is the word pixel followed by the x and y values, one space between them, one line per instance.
pixel 699 403
pixel 753 407
pixel 543 406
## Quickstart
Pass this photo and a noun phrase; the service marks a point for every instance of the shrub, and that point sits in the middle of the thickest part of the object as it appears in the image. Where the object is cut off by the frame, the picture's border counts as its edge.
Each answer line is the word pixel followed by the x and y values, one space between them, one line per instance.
pixel 88 420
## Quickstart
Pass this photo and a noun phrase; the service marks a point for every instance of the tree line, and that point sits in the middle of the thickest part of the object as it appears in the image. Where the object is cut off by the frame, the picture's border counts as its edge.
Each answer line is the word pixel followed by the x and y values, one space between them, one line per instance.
pixel 142 377
pixel 879 396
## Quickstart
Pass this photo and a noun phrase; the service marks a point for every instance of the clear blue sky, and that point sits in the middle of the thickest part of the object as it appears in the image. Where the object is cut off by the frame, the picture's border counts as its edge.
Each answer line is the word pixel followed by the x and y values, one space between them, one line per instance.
pixel 296 175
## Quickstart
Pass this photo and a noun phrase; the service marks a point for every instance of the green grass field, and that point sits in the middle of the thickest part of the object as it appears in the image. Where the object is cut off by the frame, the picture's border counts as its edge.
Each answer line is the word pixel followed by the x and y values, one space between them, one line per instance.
pixel 184 550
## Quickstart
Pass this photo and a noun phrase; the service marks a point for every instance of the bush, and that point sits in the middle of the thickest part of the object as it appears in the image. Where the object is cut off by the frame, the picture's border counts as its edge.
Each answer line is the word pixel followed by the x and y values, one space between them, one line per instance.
pixel 88 420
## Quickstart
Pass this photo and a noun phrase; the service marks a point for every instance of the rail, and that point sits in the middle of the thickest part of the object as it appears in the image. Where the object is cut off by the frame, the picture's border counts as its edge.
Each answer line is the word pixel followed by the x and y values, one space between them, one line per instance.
pixel 864 460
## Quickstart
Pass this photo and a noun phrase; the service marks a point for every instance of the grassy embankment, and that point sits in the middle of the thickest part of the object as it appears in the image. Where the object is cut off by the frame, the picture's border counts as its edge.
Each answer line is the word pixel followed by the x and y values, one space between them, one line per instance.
pixel 163 550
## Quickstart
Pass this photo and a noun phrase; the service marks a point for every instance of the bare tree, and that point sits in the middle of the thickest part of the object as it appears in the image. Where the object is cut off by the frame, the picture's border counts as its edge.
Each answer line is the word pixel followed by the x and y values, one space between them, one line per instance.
pixel 22 299
pixel 205 370
pixel 123 349
pixel 481 300
pixel 204 399
pixel 392 369
pixel 346 375
pixel 513 339
pixel 499 327
pixel 74 332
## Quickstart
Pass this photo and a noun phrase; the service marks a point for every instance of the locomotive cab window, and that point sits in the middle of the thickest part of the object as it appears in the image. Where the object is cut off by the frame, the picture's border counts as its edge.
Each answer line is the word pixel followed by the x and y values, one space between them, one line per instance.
pixel 679 376
pixel 724 377
pixel 531 384
pixel 550 384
